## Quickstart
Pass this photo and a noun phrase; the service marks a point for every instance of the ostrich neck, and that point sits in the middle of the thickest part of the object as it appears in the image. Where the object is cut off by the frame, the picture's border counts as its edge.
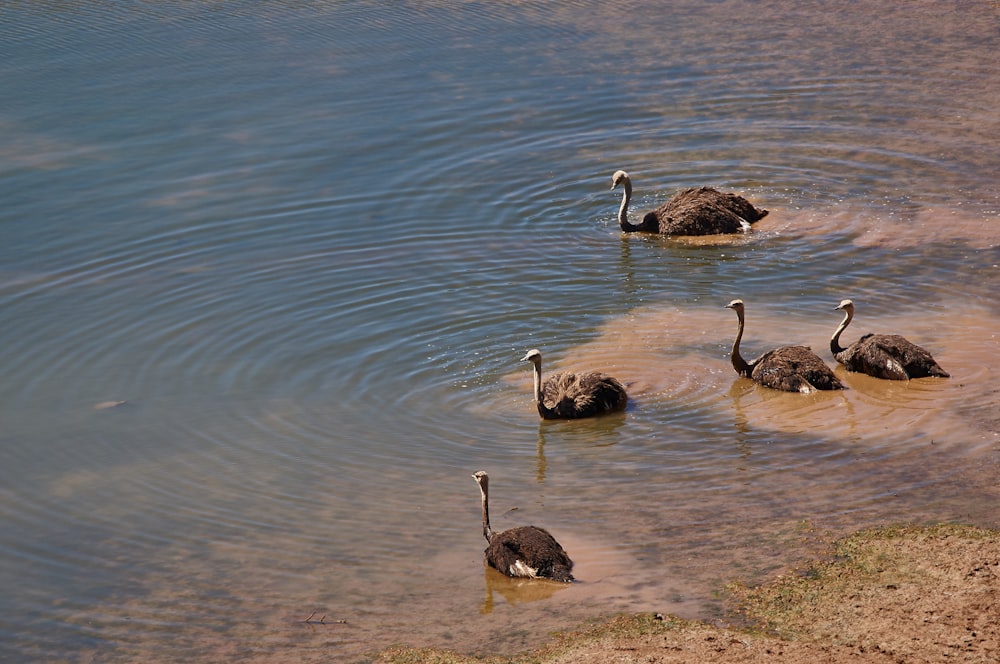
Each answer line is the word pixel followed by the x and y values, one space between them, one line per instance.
pixel 739 363
pixel 487 531
pixel 623 210
pixel 543 410
pixel 835 346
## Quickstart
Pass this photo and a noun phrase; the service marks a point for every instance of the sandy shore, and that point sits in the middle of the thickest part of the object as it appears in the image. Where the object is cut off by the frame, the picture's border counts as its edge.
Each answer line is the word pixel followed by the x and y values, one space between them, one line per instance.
pixel 899 594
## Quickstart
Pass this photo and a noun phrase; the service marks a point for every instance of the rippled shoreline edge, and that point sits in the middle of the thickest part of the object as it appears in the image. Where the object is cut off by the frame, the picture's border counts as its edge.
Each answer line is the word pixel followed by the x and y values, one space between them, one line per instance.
pixel 904 591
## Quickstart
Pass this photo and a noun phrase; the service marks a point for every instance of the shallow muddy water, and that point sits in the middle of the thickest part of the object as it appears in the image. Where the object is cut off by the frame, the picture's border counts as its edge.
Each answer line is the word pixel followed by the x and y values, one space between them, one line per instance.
pixel 266 276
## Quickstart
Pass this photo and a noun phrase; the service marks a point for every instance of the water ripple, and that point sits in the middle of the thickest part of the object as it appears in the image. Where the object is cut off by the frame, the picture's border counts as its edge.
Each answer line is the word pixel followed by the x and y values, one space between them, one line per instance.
pixel 304 249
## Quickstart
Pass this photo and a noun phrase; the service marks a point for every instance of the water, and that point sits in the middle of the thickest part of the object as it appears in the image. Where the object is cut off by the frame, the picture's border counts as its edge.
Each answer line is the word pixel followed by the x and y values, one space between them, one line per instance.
pixel 307 245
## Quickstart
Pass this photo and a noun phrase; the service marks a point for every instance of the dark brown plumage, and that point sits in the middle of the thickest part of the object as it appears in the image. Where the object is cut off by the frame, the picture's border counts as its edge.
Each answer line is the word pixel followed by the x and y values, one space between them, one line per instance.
pixel 887 356
pixel 789 368
pixel 569 396
pixel 525 551
pixel 694 211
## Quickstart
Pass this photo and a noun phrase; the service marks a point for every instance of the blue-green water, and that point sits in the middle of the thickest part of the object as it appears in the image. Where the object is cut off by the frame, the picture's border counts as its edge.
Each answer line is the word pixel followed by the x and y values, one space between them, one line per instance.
pixel 307 244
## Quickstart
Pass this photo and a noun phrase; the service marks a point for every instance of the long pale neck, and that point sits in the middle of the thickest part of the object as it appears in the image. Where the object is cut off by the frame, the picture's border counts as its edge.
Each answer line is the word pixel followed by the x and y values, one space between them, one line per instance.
pixel 739 363
pixel 623 210
pixel 536 374
pixel 835 346
pixel 543 410
pixel 484 489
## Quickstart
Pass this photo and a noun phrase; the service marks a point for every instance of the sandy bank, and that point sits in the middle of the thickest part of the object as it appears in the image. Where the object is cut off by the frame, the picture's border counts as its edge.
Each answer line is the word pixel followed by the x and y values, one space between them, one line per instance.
pixel 898 594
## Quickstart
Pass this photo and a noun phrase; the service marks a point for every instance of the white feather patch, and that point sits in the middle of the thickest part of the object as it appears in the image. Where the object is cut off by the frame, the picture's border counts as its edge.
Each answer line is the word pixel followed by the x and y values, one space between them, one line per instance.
pixel 520 568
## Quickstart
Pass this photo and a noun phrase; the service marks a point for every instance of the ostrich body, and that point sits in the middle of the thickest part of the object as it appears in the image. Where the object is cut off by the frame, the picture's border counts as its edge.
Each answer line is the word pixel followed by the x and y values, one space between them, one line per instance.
pixel 525 551
pixel 569 396
pixel 789 368
pixel 694 211
pixel 882 355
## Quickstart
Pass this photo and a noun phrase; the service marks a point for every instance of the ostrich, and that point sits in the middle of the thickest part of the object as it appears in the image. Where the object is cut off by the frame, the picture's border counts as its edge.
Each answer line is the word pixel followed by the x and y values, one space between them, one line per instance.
pixel 882 355
pixel 789 368
pixel 569 396
pixel 525 551
pixel 694 211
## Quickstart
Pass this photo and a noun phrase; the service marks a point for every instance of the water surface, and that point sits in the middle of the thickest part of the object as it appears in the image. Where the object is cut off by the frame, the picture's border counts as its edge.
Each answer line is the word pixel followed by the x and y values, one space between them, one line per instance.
pixel 306 245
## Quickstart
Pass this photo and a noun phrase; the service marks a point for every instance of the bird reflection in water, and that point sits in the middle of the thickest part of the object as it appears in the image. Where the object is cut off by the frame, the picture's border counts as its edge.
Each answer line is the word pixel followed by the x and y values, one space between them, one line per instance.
pixel 515 590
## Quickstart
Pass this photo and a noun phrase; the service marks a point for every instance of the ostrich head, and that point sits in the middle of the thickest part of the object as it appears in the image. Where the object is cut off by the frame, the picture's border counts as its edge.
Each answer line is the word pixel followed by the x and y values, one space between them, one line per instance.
pixel 534 356
pixel 618 178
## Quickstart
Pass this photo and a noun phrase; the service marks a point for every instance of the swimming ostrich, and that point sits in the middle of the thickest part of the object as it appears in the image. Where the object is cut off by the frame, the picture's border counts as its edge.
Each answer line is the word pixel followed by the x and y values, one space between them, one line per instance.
pixel 882 355
pixel 569 396
pixel 694 211
pixel 525 551
pixel 789 368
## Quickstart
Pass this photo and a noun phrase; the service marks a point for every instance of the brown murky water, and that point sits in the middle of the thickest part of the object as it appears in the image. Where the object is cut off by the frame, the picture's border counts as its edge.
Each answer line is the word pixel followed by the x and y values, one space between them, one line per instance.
pixel 303 272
